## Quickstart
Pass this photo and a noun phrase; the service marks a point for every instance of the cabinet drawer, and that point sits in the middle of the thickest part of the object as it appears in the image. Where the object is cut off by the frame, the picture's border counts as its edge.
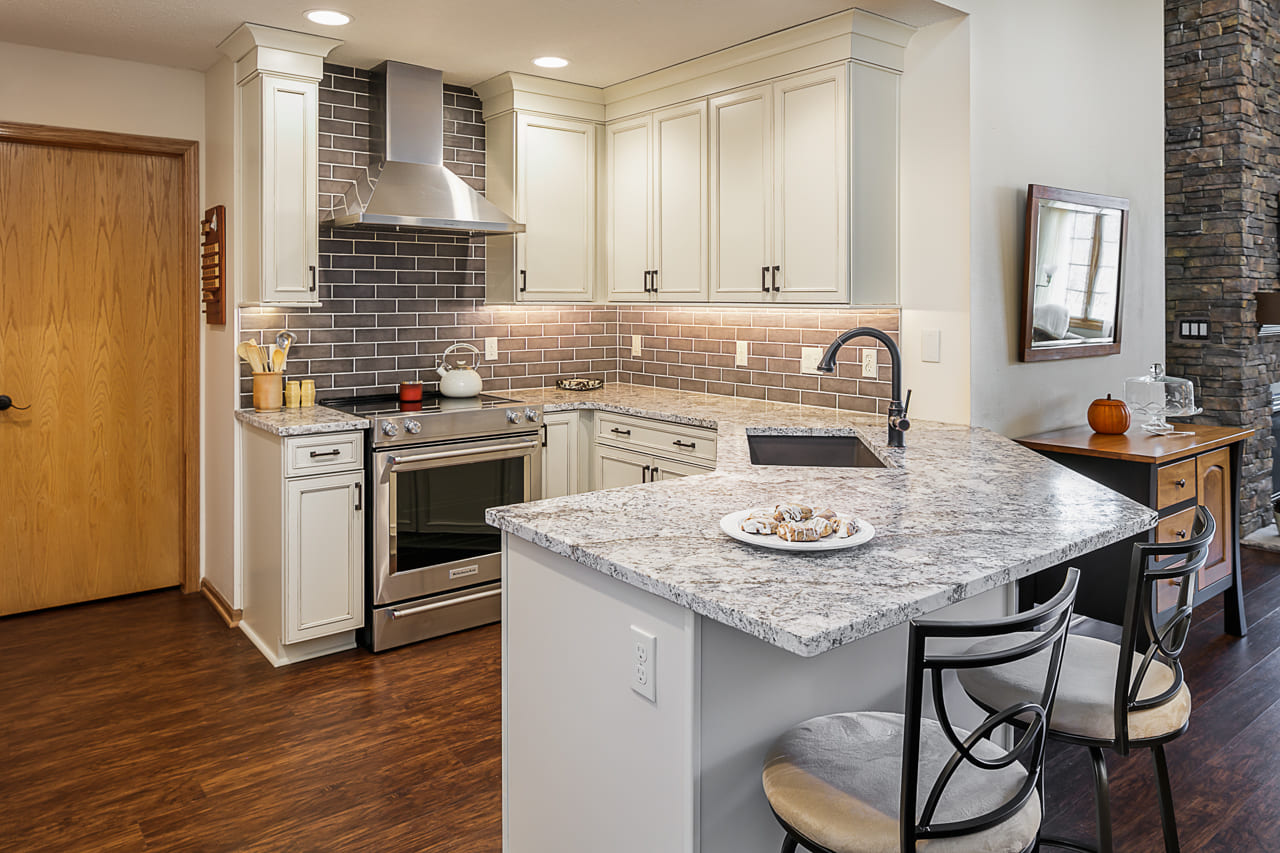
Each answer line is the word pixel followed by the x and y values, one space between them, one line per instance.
pixel 1176 527
pixel 1175 483
pixel 670 440
pixel 323 454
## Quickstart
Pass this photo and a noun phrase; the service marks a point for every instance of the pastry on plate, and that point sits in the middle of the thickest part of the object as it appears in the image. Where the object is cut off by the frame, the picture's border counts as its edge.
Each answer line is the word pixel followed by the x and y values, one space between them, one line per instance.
pixel 808 530
pixel 764 526
pixel 792 512
pixel 843 528
pixel 824 512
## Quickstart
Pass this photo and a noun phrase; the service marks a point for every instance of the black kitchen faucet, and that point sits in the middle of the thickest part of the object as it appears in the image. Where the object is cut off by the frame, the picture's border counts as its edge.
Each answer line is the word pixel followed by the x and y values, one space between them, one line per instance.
pixel 898 423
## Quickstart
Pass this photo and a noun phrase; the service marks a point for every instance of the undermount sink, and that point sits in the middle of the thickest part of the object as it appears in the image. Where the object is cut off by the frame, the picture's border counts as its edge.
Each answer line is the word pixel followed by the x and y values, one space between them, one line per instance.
pixel 822 451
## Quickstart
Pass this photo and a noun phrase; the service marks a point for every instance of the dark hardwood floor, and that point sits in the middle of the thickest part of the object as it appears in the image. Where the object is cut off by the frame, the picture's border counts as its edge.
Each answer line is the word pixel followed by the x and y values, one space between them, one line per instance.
pixel 143 724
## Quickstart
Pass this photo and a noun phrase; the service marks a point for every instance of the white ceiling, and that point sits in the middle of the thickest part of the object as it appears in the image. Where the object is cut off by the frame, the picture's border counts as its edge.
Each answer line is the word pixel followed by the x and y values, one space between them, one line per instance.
pixel 607 41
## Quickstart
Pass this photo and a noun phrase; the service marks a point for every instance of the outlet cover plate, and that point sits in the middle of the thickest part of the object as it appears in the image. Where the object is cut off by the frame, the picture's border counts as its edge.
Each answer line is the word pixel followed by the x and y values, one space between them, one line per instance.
pixel 809 358
pixel 635 346
pixel 740 360
pixel 490 349
pixel 644 663
pixel 869 369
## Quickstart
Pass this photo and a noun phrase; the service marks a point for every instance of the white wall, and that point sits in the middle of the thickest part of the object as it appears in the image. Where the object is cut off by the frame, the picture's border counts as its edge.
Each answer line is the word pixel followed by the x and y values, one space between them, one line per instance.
pixel 935 156
pixel 1069 95
pixel 93 93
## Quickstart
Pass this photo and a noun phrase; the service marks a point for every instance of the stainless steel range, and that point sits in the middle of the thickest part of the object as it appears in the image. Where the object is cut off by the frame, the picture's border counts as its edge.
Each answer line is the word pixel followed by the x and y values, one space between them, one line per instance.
pixel 434 565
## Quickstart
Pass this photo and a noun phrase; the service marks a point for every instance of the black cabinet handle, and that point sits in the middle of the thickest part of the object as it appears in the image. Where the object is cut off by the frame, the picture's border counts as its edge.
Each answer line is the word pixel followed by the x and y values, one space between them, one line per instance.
pixel 655 280
pixel 359 495
pixel 334 452
pixel 690 444
pixel 647 285
pixel 313 278
pixel 775 278
pixel 764 274
pixel 1181 534
pixel 617 431
pixel 1181 484
pixel 644 475
pixel 524 281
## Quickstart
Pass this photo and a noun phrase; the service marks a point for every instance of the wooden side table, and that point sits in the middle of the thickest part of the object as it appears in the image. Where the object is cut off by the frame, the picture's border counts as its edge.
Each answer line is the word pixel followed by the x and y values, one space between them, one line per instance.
pixel 1171 474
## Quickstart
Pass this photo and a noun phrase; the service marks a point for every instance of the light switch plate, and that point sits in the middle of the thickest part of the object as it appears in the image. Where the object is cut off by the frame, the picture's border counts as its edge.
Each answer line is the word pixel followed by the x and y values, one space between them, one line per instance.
pixel 635 346
pixel 490 349
pixel 931 345
pixel 869 370
pixel 809 358
pixel 740 360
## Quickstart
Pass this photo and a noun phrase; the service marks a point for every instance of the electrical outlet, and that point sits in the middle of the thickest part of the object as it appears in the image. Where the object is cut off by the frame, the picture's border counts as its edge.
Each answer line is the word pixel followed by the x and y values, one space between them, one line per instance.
pixel 490 349
pixel 740 360
pixel 869 370
pixel 635 346
pixel 644 663
pixel 809 358
pixel 931 345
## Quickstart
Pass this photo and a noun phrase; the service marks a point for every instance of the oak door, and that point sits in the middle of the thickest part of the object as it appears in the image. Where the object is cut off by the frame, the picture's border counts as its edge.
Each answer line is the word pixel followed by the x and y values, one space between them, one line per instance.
pixel 1213 485
pixel 91 339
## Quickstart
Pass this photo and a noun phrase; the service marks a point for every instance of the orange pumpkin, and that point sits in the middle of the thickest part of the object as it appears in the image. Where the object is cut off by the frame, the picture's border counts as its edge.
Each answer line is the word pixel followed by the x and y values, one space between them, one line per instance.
pixel 1109 417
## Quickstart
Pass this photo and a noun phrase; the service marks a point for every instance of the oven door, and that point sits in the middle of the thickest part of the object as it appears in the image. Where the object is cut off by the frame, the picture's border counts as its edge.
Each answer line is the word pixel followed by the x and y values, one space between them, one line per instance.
pixel 429 532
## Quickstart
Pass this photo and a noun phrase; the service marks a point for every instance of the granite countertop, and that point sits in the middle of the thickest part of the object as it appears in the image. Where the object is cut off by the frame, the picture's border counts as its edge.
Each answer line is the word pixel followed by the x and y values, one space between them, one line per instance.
pixel 307 420
pixel 958 511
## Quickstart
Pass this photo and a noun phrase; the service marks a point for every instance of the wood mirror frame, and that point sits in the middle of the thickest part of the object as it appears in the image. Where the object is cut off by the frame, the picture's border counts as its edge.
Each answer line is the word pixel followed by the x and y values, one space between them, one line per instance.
pixel 1033 350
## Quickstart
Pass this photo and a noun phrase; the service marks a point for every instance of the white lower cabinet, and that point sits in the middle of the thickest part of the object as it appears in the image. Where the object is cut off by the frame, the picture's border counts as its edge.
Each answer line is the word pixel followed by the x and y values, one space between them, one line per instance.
pixel 303 543
pixel 612 467
pixel 560 455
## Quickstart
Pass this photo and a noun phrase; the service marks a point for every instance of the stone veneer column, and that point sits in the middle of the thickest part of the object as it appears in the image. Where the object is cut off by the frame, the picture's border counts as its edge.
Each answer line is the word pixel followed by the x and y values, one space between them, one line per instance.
pixel 1222 120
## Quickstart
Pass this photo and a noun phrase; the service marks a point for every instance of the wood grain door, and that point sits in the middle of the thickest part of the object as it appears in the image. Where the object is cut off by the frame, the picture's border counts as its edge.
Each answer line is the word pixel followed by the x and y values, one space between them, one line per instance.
pixel 92 339
pixel 1213 483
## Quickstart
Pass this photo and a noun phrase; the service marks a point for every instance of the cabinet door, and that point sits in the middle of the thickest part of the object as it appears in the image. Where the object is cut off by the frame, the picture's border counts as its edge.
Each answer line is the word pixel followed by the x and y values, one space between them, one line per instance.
pixel 560 455
pixel 741 194
pixel 630 184
pixel 680 202
pixel 611 468
pixel 289 230
pixel 811 186
pixel 324 556
pixel 669 469
pixel 555 199
pixel 1213 482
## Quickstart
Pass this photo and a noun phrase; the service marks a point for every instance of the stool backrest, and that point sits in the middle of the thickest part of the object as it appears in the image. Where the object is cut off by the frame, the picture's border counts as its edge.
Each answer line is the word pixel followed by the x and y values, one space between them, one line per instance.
pixel 1152 564
pixel 1037 631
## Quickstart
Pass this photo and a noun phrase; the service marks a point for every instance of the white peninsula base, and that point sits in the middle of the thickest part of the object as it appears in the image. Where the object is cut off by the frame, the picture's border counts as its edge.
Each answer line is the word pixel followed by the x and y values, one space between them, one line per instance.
pixel 589 764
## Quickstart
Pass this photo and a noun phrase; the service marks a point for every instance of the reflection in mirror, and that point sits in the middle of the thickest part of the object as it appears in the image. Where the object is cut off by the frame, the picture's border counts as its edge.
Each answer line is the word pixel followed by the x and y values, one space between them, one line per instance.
pixel 1075 249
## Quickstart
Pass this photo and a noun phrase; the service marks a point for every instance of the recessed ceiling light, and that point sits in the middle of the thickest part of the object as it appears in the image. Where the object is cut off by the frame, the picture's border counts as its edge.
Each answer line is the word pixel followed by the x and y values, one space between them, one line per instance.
pixel 328 17
pixel 550 62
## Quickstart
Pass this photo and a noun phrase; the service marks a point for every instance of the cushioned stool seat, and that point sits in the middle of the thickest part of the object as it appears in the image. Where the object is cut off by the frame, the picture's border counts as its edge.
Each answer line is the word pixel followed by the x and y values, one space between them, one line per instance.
pixel 1085 704
pixel 837 781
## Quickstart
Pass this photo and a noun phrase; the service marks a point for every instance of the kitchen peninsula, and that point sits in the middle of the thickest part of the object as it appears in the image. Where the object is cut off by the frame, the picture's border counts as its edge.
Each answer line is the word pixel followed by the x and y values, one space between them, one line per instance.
pixel 748 641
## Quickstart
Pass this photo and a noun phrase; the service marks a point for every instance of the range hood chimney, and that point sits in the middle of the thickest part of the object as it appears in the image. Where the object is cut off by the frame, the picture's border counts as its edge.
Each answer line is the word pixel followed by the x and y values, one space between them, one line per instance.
pixel 408 183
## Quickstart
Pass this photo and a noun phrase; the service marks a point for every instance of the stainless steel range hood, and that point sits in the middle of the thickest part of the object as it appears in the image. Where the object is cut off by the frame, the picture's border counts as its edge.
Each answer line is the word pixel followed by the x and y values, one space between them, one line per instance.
pixel 408 183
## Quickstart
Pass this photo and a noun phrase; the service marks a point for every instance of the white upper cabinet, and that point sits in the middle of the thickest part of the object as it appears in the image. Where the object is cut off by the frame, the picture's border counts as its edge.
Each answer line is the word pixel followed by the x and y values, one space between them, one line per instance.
pixel 780 191
pixel 742 195
pixel 555 199
pixel 277 75
pixel 679 242
pixel 811 187
pixel 628 222
pixel 656 220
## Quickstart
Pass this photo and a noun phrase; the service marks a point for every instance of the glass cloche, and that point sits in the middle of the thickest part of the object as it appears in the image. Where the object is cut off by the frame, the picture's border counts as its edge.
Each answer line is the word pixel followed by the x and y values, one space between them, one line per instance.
pixel 1158 396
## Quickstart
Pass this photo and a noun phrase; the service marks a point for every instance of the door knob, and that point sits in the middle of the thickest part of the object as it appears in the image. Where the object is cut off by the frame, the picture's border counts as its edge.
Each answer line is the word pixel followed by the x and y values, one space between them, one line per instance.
pixel 6 402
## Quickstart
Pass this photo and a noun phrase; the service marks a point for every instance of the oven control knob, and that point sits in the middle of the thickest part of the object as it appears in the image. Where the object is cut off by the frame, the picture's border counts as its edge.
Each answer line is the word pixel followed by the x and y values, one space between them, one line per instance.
pixel 531 415
pixel 514 417
pixel 389 428
pixel 412 427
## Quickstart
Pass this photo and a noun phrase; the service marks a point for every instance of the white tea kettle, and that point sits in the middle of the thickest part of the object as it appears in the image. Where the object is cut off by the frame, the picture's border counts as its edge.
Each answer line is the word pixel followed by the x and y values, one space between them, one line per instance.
pixel 459 379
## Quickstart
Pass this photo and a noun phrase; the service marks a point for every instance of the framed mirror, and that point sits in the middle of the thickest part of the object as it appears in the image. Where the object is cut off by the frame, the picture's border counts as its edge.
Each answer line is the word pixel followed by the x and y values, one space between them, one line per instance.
pixel 1073 285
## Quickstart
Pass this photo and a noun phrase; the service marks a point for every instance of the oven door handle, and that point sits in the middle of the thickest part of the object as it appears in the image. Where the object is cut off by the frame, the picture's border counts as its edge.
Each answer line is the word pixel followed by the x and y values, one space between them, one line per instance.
pixel 427 608
pixel 475 454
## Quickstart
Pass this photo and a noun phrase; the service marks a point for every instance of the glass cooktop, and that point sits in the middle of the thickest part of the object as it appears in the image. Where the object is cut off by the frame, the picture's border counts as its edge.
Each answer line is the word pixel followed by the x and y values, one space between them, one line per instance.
pixel 379 405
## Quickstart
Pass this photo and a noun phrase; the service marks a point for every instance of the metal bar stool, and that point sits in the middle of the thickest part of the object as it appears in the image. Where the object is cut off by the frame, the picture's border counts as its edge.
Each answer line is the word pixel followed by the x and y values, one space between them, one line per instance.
pixel 840 783
pixel 1146 704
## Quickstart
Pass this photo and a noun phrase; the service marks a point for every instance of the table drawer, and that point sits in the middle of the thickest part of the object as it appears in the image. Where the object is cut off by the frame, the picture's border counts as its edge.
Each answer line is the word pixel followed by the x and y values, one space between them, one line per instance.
pixel 671 440
pixel 1175 483
pixel 1176 527
pixel 329 453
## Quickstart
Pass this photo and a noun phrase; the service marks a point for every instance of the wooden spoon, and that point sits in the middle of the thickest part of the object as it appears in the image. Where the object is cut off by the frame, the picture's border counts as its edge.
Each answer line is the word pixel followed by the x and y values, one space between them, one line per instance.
pixel 277 361
pixel 249 352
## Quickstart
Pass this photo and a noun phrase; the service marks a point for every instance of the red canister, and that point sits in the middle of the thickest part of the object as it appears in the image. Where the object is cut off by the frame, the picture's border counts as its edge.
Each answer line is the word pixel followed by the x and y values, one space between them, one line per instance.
pixel 410 392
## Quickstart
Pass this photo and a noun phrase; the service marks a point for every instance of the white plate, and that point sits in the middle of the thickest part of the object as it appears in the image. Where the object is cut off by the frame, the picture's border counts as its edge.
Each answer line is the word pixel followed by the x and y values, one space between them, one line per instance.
pixel 731 525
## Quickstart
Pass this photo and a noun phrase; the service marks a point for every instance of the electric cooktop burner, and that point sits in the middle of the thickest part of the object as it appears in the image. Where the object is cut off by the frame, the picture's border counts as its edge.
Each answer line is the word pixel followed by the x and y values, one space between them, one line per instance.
pixel 389 404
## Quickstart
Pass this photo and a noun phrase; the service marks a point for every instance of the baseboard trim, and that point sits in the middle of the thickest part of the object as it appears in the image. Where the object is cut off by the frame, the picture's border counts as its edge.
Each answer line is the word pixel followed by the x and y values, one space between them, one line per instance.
pixel 229 615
